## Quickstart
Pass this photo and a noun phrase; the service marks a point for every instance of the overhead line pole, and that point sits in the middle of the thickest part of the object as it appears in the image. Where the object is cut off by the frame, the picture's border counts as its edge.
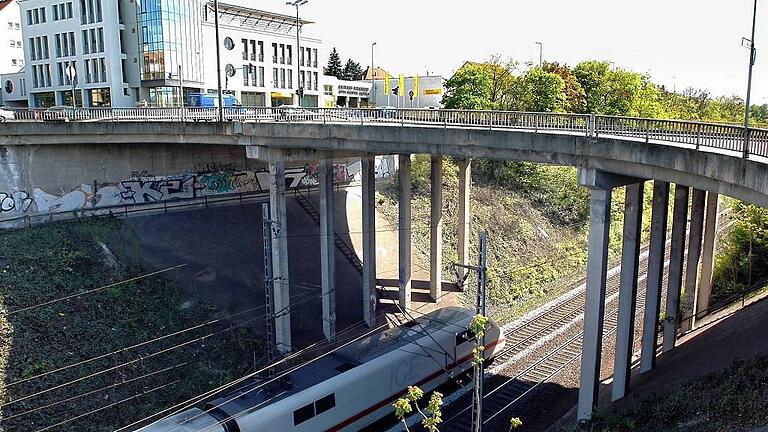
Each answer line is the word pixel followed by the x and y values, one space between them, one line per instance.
pixel 752 54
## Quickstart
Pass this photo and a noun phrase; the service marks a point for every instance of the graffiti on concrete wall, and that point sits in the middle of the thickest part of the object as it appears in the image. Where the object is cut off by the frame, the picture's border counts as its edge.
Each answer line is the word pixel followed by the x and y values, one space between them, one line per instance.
pixel 15 202
pixel 144 187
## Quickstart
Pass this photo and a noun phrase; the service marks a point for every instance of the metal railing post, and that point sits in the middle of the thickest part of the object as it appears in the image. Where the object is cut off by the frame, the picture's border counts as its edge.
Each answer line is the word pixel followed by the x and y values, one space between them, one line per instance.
pixel 592 130
pixel 647 130
pixel 698 135
pixel 747 131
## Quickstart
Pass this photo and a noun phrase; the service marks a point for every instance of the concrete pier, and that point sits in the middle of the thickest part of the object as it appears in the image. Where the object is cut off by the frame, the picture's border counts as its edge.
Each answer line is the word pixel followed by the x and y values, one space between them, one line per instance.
pixel 594 310
pixel 282 295
pixel 436 229
pixel 327 248
pixel 369 239
pixel 708 253
pixel 677 253
pixel 656 255
pixel 404 231
pixel 698 203
pixel 630 259
pixel 465 183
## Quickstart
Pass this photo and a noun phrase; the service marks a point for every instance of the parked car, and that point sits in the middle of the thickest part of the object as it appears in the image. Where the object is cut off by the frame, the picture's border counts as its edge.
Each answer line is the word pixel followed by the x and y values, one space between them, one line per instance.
pixel 6 114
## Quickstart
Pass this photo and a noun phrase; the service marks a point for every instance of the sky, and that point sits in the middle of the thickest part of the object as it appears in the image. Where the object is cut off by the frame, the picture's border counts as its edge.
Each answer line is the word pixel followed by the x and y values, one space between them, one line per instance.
pixel 680 43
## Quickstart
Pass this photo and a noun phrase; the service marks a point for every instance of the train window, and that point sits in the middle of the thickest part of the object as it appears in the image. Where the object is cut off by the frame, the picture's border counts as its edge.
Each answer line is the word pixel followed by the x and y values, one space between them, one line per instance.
pixel 325 403
pixel 345 367
pixel 464 336
pixel 303 414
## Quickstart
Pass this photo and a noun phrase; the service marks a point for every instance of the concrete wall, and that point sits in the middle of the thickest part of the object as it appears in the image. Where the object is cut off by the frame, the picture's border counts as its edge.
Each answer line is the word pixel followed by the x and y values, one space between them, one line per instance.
pixel 37 180
pixel 726 174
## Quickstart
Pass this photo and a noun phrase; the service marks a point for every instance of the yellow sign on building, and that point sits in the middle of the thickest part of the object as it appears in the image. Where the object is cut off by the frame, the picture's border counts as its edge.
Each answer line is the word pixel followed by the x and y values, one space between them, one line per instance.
pixel 437 91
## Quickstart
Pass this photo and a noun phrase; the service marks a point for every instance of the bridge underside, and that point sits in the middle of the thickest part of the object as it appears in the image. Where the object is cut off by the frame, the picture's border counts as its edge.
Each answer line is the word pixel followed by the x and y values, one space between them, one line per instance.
pixel 605 164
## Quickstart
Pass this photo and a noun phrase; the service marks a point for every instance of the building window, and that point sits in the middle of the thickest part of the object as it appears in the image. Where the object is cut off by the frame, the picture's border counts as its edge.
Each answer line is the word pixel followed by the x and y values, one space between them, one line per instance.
pixel 290 79
pixel 309 57
pixel 314 56
pixel 274 53
pixel 245 48
pixel 261 51
pixel 29 17
pixel 246 70
pixel 274 78
pixel 282 78
pixel 290 54
pixel 315 74
pixel 10 25
pixel 13 44
pixel 261 76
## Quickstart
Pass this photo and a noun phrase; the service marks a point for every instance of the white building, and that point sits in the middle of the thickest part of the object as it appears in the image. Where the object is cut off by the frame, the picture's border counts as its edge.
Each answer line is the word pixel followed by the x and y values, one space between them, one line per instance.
pixel 347 94
pixel 11 51
pixel 126 51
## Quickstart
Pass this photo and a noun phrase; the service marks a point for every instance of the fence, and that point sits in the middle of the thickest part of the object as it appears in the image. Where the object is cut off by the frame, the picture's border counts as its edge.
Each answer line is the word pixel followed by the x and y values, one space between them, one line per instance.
pixel 697 134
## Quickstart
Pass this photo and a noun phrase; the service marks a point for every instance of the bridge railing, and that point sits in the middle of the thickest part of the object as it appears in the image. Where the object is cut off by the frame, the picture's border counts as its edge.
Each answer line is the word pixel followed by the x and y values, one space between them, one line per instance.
pixel 698 134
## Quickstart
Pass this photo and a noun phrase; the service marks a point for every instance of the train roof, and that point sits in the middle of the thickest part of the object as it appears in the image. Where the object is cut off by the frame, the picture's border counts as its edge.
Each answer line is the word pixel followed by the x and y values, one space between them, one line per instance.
pixel 251 397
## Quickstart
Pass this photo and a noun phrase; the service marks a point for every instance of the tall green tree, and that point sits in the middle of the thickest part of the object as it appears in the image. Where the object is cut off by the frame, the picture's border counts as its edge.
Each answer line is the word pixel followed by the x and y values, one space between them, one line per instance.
pixel 469 88
pixel 334 65
pixel 575 98
pixel 352 71
pixel 542 91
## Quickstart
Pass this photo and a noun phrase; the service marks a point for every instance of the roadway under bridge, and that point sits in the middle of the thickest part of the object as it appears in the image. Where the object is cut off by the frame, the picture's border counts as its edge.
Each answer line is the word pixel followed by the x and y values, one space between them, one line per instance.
pixel 701 160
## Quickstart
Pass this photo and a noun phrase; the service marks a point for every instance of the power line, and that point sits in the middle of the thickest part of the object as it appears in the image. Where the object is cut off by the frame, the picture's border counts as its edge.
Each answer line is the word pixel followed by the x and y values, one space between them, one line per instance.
pixel 109 406
pixel 61 401
pixel 112 285
pixel 163 351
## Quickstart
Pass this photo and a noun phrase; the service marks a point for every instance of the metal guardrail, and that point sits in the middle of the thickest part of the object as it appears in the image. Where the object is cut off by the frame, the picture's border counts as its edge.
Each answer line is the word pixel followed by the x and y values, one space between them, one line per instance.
pixel 679 132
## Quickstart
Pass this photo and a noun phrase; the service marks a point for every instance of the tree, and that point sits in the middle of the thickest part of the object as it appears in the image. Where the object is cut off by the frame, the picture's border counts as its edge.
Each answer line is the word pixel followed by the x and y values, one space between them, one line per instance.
pixel 334 64
pixel 430 419
pixel 469 88
pixel 575 98
pixel 352 71
pixel 541 91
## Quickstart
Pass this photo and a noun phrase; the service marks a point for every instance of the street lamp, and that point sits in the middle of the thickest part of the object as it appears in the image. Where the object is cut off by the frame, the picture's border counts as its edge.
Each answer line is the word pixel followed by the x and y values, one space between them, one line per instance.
pixel 218 59
pixel 300 90
pixel 752 55
pixel 541 53
pixel 373 75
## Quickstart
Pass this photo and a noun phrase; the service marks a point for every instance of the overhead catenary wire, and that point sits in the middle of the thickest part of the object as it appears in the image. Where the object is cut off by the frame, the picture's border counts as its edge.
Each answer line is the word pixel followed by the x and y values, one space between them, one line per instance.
pixel 101 288
pixel 282 374
pixel 146 356
pixel 122 401
pixel 82 395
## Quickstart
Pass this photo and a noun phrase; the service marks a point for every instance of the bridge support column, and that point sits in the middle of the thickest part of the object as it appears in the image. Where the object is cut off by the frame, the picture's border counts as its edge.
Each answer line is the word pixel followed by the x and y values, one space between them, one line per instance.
pixel 369 239
pixel 656 255
pixel 630 260
pixel 465 183
pixel 675 283
pixel 279 219
pixel 708 253
pixel 594 310
pixel 404 231
pixel 328 248
pixel 694 255
pixel 436 230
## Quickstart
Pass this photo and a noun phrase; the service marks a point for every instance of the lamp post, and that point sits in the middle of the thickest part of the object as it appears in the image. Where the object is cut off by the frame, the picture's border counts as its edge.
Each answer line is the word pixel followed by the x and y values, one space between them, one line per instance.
pixel 752 54
pixel 300 89
pixel 541 53
pixel 218 59
pixel 373 76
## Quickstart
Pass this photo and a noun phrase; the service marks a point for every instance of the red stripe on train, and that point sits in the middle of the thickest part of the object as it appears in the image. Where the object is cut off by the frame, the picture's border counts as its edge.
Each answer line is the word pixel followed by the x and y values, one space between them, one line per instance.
pixel 394 397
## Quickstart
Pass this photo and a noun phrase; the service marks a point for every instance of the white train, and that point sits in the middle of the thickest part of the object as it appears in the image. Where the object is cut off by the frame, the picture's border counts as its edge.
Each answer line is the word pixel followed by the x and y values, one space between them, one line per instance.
pixel 352 387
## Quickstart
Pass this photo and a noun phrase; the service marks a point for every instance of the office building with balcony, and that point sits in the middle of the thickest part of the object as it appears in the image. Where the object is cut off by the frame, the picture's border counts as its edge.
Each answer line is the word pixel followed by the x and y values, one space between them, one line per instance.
pixel 130 52
pixel 11 52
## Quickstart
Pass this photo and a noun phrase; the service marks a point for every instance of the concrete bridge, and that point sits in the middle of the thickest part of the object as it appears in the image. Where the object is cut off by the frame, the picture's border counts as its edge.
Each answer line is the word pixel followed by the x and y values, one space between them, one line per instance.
pixel 701 159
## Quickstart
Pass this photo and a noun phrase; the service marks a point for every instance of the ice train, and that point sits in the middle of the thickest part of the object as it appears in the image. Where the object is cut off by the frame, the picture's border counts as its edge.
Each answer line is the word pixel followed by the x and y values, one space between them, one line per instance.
pixel 350 388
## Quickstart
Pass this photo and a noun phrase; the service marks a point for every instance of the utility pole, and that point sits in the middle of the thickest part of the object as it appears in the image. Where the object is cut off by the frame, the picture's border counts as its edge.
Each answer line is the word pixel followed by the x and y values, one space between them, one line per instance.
pixel 218 59
pixel 269 283
pixel 752 55
pixel 482 284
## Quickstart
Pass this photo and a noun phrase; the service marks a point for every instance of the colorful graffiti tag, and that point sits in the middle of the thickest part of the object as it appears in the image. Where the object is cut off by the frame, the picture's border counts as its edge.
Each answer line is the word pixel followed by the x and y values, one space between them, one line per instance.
pixel 143 187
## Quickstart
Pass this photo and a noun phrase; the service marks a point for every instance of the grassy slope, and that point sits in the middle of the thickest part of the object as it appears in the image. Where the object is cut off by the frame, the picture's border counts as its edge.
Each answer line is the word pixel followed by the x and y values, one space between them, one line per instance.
pixel 735 399
pixel 50 262
pixel 534 254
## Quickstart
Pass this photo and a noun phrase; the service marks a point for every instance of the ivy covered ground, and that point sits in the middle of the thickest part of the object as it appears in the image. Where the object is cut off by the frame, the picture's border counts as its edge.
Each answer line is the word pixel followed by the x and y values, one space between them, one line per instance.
pixel 47 376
